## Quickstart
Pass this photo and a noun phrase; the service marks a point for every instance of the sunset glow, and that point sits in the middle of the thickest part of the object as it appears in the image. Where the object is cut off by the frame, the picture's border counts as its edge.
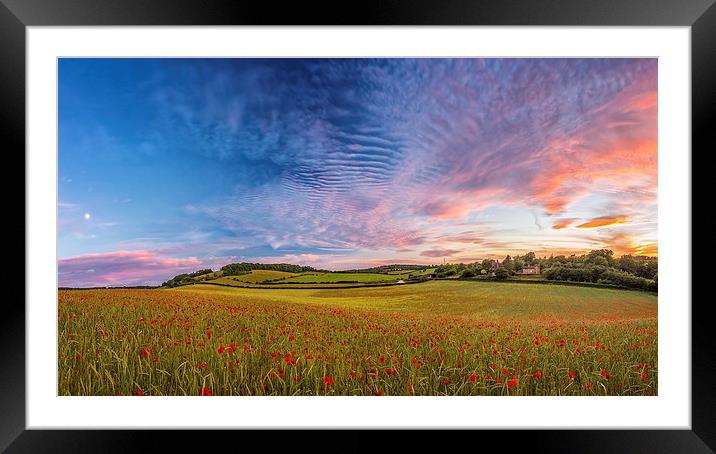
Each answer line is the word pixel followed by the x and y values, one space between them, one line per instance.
pixel 347 163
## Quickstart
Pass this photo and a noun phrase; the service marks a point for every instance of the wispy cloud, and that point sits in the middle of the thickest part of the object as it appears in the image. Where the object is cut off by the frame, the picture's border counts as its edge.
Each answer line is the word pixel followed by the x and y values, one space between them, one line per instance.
pixel 563 223
pixel 439 253
pixel 603 221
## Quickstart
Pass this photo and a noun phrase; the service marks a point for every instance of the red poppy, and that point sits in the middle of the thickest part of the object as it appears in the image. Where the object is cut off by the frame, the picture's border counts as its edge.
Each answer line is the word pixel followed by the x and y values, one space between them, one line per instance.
pixel 206 392
pixel 536 375
pixel 203 365
pixel 446 381
pixel 389 371
pixel 139 392
pixel 328 380
pixel 512 383
pixel 473 377
pixel 643 375
pixel 145 353
pixel 221 349
pixel 571 375
pixel 604 373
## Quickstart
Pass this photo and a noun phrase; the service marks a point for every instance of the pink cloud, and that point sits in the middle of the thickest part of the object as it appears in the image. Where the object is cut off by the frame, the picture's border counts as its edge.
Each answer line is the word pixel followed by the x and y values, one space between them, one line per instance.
pixel 439 253
pixel 122 268
pixel 467 237
pixel 563 223
pixel 617 145
pixel 603 221
pixel 556 159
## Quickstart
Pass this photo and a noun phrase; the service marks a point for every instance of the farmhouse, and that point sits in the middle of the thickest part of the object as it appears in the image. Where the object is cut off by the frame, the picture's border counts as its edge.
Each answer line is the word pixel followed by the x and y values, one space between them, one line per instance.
pixel 529 269
pixel 494 265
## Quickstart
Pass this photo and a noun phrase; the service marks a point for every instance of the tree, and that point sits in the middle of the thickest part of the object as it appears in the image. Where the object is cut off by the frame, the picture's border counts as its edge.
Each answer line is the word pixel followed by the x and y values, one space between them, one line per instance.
pixel 599 266
pixel 605 253
pixel 599 260
pixel 468 273
pixel 529 258
pixel 519 264
pixel 501 274
pixel 508 264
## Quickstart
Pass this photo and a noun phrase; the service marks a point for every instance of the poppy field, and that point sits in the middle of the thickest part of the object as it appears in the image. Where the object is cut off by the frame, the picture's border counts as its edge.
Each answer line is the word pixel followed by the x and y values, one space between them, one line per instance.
pixel 434 338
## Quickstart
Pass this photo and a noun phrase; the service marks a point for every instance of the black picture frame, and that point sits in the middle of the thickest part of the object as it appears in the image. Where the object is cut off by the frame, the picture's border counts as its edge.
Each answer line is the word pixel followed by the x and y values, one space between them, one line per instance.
pixel 700 15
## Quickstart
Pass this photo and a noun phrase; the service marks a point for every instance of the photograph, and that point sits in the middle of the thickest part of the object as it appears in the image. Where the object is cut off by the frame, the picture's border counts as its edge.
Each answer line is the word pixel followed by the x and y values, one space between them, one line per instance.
pixel 392 226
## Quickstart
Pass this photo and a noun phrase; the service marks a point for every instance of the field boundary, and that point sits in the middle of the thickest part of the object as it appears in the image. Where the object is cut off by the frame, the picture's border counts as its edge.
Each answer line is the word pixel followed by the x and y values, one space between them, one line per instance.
pixel 317 286
pixel 548 282
pixel 305 286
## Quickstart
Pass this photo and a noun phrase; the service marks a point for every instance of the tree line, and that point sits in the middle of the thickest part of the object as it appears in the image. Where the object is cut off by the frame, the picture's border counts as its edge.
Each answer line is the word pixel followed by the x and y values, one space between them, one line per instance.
pixel 185 278
pixel 388 268
pixel 597 266
pixel 237 269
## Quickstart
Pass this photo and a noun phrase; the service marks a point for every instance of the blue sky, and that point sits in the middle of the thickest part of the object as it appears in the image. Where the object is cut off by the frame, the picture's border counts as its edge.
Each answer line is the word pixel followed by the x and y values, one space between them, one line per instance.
pixel 170 165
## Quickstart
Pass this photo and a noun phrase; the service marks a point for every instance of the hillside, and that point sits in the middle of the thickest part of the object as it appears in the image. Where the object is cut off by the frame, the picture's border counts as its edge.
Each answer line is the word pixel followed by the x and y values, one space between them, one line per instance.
pixel 249 274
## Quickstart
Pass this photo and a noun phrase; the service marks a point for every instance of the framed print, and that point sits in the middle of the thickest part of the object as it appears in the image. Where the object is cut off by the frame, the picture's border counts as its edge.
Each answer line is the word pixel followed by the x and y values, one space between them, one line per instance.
pixel 431 218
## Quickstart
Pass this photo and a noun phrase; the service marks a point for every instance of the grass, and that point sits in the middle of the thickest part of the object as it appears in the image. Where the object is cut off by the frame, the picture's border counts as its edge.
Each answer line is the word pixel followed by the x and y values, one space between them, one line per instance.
pixel 434 338
pixel 342 277
pixel 269 277
pixel 230 282
pixel 258 276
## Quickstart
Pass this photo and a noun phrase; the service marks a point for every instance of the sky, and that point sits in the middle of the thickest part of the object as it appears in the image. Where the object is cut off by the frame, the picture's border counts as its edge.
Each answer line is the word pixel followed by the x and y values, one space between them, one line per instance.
pixel 168 166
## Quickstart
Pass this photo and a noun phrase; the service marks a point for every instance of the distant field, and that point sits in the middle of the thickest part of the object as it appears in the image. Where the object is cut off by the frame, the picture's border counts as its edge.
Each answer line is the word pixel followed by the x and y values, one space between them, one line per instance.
pixel 262 275
pixel 270 277
pixel 232 282
pixel 262 278
pixel 343 277
pixel 433 338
